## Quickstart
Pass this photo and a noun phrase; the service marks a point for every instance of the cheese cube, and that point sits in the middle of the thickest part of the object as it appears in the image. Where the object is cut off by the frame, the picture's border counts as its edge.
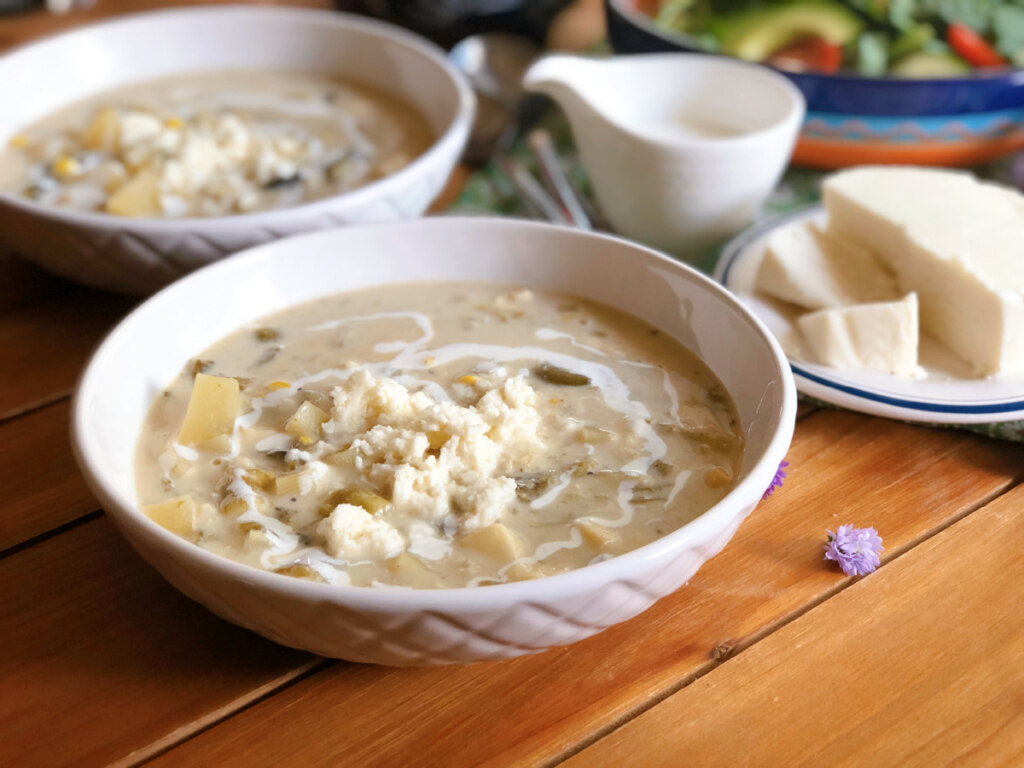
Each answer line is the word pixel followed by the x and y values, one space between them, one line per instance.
pixel 811 269
pixel 871 337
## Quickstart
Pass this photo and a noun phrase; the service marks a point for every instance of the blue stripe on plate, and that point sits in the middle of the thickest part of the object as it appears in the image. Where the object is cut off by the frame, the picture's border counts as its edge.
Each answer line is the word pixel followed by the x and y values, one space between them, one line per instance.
pixel 914 405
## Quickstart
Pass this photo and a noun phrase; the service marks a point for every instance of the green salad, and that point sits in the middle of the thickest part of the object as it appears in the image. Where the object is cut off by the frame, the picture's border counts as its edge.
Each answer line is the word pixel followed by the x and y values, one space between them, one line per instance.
pixel 905 38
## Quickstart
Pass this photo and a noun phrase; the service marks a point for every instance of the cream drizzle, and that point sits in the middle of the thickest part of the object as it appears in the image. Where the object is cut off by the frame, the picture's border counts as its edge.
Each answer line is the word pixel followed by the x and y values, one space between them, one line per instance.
pixel 411 355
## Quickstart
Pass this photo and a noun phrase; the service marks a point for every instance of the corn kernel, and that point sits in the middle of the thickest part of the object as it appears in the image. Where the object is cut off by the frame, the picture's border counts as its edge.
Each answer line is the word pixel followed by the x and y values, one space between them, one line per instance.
pixel 174 122
pixel 19 140
pixel 279 385
pixel 66 166
pixel 468 379
pixel 429 360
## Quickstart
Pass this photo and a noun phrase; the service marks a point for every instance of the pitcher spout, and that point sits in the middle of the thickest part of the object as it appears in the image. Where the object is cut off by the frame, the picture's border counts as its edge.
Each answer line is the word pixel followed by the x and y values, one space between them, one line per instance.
pixel 565 80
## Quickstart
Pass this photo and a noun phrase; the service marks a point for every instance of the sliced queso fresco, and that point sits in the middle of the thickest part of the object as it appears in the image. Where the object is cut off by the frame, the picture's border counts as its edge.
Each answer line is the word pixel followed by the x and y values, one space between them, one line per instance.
pixel 814 270
pixel 954 242
pixel 871 337
pixel 957 242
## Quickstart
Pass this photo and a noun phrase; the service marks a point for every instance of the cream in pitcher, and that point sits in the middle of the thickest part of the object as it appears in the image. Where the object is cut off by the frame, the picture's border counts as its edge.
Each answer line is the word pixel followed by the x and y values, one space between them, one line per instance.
pixel 681 148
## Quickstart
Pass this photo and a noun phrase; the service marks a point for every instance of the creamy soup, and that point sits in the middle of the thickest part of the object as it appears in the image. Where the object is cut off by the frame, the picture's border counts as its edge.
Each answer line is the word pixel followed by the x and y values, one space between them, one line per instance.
pixel 213 144
pixel 437 435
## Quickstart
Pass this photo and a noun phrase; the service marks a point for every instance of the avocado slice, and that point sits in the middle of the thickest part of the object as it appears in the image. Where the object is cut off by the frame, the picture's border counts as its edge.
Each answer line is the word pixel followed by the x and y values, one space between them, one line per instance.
pixel 924 65
pixel 756 34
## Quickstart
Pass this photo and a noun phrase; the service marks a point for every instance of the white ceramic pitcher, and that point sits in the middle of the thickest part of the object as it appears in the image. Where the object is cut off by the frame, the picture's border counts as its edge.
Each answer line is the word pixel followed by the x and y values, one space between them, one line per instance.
pixel 681 148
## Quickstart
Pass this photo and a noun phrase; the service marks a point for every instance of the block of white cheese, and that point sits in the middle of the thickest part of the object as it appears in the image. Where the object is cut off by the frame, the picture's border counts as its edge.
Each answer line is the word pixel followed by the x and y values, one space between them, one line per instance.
pixel 812 269
pixel 957 242
pixel 880 336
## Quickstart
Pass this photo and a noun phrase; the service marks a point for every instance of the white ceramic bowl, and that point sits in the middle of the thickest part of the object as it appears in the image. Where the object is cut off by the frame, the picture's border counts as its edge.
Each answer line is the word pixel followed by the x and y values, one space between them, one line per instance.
pixel 419 627
pixel 140 255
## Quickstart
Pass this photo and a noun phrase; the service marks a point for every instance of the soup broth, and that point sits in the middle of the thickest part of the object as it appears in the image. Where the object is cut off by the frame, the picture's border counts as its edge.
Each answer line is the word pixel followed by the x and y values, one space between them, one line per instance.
pixel 213 144
pixel 437 435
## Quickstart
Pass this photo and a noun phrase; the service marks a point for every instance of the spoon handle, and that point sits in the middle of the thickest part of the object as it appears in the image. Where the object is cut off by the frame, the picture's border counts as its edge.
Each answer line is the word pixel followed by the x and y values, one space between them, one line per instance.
pixel 554 178
pixel 533 192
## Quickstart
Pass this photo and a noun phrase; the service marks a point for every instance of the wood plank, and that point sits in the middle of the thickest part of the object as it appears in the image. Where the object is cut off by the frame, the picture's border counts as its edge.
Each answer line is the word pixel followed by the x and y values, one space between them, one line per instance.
pixel 45 345
pixel 42 485
pixel 103 662
pixel 907 481
pixel 917 664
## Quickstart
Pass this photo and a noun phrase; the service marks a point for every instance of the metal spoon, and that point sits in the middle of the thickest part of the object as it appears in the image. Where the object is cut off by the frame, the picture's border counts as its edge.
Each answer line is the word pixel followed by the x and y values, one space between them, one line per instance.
pixel 494 63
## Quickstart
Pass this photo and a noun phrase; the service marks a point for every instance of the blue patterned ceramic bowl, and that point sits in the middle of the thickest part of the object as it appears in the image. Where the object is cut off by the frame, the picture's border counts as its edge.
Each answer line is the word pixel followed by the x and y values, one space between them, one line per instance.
pixel 854 120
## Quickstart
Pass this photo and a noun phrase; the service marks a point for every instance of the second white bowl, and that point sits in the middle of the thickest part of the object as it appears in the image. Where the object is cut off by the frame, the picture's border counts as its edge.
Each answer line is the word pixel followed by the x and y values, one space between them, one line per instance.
pixel 141 255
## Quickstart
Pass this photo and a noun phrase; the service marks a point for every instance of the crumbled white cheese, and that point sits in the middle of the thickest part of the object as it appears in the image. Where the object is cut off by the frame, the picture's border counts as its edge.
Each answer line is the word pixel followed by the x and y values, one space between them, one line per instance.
pixel 352 533
pixel 390 431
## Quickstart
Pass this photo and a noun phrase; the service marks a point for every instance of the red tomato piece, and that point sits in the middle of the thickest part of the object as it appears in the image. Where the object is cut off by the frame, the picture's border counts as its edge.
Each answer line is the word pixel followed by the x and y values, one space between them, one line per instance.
pixel 813 54
pixel 972 48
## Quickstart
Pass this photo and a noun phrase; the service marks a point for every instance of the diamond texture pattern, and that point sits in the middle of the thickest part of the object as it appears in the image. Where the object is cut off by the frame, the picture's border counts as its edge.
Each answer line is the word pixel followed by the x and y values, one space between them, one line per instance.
pixel 330 625
pixel 135 257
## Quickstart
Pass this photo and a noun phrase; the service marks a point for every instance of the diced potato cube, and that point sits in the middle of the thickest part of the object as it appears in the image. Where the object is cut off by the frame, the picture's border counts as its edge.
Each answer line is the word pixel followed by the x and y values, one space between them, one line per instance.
pixel 256 540
pixel 176 515
pixel 299 571
pixel 496 541
pixel 218 444
pixel 288 485
pixel 344 459
pixel 524 572
pixel 212 409
pixel 304 425
pixel 140 196
pixel 102 132
pixel 408 565
pixel 596 535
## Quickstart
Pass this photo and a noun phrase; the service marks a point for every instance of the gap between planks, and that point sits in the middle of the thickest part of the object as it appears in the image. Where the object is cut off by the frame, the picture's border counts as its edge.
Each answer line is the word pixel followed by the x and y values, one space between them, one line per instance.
pixel 211 719
pixel 31 407
pixel 735 650
pixel 949 709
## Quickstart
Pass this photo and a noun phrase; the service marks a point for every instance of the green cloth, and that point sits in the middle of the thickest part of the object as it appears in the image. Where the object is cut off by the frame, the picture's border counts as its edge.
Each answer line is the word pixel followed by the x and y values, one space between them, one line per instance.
pixel 488 192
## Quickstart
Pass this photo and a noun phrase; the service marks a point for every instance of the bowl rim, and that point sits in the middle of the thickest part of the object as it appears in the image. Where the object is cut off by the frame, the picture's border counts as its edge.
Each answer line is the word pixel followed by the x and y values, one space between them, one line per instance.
pixel 458 125
pixel 638 18
pixel 701 529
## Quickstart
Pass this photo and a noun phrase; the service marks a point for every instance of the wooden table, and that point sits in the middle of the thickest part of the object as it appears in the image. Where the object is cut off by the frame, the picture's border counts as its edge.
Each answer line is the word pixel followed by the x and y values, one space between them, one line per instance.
pixel 769 657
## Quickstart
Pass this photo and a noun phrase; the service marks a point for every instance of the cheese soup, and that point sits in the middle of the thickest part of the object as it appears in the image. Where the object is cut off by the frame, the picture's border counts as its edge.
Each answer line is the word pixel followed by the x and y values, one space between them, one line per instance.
pixel 437 435
pixel 213 144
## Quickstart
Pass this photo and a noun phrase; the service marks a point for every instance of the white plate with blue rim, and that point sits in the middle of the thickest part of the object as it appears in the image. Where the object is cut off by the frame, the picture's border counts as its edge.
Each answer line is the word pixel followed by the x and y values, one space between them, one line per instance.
pixel 945 392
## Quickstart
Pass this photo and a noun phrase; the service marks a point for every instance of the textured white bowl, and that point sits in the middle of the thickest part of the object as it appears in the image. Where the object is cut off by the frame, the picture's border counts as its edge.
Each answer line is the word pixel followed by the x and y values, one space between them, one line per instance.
pixel 140 255
pixel 418 627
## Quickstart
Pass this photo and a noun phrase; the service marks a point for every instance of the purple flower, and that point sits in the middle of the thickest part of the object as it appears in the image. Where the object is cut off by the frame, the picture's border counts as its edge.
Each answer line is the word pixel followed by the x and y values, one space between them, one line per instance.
pixel 855 549
pixel 780 475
